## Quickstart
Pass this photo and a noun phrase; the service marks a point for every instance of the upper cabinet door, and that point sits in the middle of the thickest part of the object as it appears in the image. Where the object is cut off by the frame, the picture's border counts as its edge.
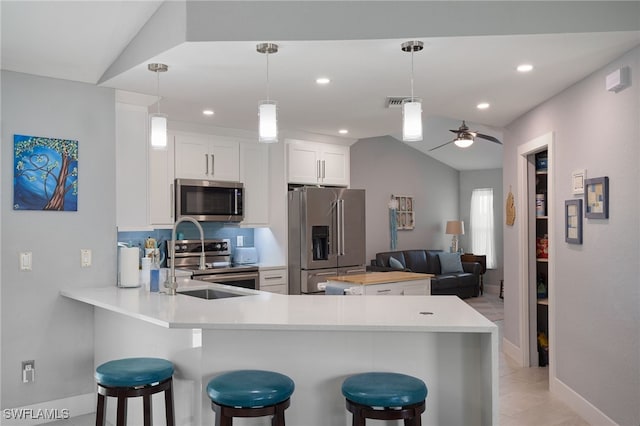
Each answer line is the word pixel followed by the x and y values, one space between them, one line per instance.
pixel 304 162
pixel 192 156
pixel 335 165
pixel 207 157
pixel 224 158
pixel 161 180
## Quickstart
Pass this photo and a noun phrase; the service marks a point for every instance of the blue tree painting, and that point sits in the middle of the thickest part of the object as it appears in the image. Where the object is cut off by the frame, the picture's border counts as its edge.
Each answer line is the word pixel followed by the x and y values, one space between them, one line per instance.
pixel 45 173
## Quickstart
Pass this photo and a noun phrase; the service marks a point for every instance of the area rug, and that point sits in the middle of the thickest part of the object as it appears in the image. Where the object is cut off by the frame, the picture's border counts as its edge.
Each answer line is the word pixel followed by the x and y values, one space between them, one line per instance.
pixel 489 305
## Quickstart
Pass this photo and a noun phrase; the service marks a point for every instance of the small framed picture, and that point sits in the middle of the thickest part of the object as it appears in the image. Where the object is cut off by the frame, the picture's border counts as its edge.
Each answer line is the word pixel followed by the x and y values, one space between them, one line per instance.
pixel 577 181
pixel 573 221
pixel 596 198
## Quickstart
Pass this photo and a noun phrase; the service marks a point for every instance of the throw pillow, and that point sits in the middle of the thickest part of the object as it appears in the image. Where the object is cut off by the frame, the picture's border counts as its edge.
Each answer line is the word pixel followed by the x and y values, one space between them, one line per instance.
pixel 450 262
pixel 396 264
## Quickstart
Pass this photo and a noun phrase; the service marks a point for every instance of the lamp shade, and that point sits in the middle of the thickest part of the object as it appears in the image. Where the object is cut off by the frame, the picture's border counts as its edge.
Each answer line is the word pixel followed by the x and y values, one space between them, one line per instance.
pixel 464 141
pixel 455 227
pixel 412 120
pixel 268 126
pixel 158 130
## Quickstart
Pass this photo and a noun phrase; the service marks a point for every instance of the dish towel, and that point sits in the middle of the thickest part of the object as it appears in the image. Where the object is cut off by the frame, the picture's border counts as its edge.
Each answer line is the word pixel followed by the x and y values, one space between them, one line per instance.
pixel 336 289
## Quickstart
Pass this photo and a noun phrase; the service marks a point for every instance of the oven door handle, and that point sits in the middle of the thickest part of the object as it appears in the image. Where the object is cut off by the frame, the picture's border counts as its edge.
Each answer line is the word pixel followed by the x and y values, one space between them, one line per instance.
pixel 226 276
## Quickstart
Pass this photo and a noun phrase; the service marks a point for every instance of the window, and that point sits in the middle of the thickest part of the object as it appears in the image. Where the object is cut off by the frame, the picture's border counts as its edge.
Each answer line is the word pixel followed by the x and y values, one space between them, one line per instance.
pixel 482 232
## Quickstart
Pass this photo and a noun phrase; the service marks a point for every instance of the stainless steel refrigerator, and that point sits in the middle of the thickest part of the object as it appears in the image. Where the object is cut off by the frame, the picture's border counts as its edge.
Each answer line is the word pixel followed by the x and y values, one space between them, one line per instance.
pixel 326 236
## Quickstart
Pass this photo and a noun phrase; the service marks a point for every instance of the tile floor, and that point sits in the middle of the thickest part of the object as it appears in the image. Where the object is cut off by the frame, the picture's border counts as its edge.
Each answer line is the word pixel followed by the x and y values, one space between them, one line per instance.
pixel 525 399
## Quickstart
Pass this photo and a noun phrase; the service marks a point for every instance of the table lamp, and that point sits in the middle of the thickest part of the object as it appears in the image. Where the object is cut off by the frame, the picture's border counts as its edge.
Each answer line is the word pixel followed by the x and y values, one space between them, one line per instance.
pixel 455 228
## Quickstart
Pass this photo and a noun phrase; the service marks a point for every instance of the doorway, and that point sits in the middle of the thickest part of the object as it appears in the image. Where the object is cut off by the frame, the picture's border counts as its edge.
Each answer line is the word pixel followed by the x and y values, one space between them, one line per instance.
pixel 527 259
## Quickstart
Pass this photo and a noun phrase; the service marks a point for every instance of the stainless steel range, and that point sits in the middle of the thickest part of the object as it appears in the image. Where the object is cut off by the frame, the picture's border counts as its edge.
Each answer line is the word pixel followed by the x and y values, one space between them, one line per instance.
pixel 218 262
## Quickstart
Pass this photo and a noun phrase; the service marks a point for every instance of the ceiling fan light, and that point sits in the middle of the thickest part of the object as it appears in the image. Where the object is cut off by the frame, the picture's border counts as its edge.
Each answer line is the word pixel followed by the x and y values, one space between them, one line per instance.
pixel 158 130
pixel 412 120
pixel 464 141
pixel 268 122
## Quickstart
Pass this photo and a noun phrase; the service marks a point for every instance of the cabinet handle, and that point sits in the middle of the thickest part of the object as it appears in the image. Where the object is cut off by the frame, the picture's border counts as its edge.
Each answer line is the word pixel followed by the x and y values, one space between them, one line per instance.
pixel 323 175
pixel 206 163
pixel 213 170
pixel 279 277
pixel 317 169
pixel 384 291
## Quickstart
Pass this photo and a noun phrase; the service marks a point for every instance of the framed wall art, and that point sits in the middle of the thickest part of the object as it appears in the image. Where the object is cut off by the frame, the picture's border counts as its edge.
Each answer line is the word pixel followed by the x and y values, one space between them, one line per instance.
pixel 596 198
pixel 577 181
pixel 573 221
pixel 405 218
pixel 45 173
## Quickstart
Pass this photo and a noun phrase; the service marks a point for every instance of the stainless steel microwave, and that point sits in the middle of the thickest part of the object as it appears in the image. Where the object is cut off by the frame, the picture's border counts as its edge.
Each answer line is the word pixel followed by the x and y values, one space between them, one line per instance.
pixel 209 201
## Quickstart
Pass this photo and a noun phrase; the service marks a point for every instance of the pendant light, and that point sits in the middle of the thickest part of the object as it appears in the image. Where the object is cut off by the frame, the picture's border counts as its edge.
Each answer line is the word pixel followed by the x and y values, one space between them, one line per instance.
pixel 412 107
pixel 464 140
pixel 158 121
pixel 267 110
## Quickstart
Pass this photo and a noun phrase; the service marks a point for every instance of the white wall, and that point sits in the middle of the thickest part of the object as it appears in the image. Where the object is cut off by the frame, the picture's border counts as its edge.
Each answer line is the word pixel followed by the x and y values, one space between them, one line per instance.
pixel 474 179
pixel 597 299
pixel 384 166
pixel 37 323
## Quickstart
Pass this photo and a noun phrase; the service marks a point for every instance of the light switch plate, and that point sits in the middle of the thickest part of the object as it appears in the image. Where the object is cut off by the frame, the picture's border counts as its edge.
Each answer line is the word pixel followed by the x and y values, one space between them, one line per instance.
pixel 239 240
pixel 85 258
pixel 26 259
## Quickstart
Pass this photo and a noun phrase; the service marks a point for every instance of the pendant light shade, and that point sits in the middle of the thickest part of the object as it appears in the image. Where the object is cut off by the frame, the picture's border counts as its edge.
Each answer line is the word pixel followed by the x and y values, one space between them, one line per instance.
pixel 412 120
pixel 158 130
pixel 268 126
pixel 412 107
pixel 158 121
pixel 267 110
pixel 463 141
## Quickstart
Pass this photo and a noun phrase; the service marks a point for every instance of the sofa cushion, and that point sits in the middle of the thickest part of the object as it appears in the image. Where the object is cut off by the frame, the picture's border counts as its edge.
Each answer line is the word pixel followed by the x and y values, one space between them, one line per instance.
pixel 395 264
pixel 450 262
pixel 382 259
pixel 433 263
pixel 416 260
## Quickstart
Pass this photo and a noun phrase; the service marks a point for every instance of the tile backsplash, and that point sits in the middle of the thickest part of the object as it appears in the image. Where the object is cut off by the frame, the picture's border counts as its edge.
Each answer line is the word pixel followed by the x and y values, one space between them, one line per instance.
pixel 212 230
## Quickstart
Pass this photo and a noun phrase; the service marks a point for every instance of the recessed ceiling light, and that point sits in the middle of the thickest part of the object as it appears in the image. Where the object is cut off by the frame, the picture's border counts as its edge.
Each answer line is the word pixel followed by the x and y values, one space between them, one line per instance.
pixel 207 112
pixel 323 80
pixel 524 67
pixel 343 131
pixel 482 105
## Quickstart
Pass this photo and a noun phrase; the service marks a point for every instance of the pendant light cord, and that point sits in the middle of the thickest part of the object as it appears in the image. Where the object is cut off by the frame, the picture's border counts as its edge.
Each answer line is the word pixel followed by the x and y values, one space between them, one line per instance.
pixel 267 76
pixel 412 98
pixel 158 89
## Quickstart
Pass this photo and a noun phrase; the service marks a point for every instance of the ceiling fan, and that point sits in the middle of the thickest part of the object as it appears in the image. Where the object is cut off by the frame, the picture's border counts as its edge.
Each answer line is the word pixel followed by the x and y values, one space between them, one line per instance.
pixel 465 137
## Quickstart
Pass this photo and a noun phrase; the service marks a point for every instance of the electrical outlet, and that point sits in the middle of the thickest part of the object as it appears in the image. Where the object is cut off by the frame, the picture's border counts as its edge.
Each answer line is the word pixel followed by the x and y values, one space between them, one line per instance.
pixel 26 260
pixel 28 371
pixel 85 258
pixel 239 240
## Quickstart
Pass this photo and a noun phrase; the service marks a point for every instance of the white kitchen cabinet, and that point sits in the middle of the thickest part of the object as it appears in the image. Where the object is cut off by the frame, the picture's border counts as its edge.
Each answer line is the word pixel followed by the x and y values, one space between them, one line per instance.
pixel 131 167
pixel 274 280
pixel 207 157
pixel 161 181
pixel 254 174
pixel 318 163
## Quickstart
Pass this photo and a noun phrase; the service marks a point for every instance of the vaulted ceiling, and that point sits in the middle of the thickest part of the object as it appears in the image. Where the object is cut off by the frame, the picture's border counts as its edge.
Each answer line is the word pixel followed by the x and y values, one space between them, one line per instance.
pixel 471 51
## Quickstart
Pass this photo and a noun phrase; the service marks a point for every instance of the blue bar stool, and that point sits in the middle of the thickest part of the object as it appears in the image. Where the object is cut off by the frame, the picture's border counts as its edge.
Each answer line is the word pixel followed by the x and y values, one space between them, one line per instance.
pixel 133 377
pixel 385 396
pixel 250 393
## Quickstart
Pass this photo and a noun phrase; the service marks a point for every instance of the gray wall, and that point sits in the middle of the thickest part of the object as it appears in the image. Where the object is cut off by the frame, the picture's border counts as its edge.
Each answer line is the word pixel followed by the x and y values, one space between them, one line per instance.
pixel 597 296
pixel 384 166
pixel 37 323
pixel 474 179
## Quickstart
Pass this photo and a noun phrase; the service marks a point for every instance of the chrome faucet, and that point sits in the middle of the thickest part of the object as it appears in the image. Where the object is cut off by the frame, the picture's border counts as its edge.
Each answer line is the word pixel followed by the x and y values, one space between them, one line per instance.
pixel 172 285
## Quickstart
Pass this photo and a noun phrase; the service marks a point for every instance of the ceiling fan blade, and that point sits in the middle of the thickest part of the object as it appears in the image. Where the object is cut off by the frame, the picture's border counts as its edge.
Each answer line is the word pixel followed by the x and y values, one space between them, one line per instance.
pixel 462 131
pixel 489 138
pixel 440 146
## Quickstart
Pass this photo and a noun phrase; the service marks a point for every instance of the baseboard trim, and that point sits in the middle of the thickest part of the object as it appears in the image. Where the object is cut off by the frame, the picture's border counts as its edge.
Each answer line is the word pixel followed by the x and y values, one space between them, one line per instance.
pixel 51 411
pixel 581 406
pixel 512 351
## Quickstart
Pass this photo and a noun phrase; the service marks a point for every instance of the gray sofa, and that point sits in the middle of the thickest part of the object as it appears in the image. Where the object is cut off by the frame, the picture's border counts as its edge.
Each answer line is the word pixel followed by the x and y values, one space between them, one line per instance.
pixel 464 284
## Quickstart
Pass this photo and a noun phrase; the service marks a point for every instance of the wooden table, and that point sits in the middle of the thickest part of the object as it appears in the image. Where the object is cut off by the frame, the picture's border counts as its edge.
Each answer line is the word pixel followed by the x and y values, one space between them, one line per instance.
pixel 386 283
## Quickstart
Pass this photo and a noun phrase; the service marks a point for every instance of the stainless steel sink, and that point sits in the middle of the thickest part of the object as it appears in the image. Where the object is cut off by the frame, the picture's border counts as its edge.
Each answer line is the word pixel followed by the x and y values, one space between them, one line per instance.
pixel 209 293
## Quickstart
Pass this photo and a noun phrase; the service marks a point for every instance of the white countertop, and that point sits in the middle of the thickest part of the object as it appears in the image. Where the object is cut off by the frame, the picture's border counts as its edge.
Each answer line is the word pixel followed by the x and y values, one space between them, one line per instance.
pixel 268 311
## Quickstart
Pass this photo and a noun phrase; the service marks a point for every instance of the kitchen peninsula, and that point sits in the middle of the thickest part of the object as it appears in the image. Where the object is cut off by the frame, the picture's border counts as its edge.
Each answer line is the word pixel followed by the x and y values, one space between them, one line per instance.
pixel 317 340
